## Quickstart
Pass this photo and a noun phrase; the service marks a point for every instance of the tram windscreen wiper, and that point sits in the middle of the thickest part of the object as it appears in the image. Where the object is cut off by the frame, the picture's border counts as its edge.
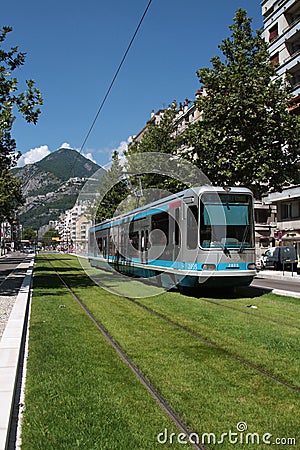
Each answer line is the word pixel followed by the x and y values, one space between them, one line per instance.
pixel 242 248
pixel 224 248
pixel 226 251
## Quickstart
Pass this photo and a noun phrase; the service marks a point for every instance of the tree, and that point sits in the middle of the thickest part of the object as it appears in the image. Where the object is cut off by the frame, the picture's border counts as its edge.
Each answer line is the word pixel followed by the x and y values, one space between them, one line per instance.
pixel 29 234
pixel 10 194
pixel 160 137
pixel 246 135
pixel 113 190
pixel 47 237
pixel 26 103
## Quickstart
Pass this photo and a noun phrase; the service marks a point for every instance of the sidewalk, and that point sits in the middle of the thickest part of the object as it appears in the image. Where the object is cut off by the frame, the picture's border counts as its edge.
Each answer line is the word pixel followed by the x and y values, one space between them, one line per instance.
pixel 278 275
pixel 10 350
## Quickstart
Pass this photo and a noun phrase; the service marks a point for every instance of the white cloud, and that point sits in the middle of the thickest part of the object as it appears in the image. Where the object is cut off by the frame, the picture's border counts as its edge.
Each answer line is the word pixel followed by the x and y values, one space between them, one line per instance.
pixel 121 149
pixel 66 145
pixel 33 155
pixel 89 155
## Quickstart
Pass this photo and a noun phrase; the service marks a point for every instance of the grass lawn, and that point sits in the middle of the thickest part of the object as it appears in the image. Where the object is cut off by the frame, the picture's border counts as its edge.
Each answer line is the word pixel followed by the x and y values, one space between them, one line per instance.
pixel 80 395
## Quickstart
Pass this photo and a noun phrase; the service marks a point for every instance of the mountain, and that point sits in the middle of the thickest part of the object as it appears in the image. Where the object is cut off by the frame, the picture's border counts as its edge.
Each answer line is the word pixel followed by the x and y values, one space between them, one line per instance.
pixel 51 185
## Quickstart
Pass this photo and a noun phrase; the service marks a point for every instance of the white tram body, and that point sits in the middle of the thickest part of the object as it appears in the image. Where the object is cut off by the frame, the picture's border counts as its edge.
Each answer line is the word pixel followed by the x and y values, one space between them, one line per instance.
pixel 202 236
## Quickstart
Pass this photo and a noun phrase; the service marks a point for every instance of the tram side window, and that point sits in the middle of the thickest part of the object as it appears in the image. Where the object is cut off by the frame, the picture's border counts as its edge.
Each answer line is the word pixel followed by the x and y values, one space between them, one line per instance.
pixel 111 245
pixel 104 247
pixel 100 244
pixel 160 229
pixel 92 244
pixel 177 229
pixel 134 235
pixel 192 227
pixel 174 228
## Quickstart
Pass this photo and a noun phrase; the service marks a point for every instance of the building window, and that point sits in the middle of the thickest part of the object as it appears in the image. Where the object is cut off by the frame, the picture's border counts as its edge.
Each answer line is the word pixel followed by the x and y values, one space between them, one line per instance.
pixel 286 210
pixel 273 33
pixel 274 59
pixel 295 81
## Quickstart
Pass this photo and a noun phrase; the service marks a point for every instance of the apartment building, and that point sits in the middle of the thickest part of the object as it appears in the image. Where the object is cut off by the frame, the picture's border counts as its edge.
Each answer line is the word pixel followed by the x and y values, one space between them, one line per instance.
pixel 74 229
pixel 287 203
pixel 282 32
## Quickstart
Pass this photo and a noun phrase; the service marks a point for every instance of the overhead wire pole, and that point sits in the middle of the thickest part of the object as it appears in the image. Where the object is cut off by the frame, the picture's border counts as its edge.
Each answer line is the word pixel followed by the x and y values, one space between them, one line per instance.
pixel 114 79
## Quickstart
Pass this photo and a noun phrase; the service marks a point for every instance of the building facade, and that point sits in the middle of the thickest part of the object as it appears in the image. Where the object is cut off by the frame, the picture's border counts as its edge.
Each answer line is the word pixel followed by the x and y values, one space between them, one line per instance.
pixel 282 32
pixel 287 205
pixel 74 228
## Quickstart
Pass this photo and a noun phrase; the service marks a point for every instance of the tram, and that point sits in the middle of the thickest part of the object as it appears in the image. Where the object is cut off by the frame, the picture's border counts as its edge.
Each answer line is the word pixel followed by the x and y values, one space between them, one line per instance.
pixel 202 236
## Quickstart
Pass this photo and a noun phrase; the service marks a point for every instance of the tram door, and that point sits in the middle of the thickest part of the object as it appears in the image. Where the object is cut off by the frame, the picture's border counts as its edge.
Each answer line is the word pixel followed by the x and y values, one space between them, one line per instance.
pixel 176 232
pixel 190 232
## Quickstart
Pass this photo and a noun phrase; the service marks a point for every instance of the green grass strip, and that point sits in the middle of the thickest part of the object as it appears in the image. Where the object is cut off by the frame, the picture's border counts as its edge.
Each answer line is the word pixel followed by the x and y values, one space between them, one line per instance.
pixel 210 390
pixel 79 394
pixel 271 346
pixel 267 337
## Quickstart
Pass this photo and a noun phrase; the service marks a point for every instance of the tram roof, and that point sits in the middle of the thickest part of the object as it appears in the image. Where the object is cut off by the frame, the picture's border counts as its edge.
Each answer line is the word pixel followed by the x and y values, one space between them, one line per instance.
pixel 165 200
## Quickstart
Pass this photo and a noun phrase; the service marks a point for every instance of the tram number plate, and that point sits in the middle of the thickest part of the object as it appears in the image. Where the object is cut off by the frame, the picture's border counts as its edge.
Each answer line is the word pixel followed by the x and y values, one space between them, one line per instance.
pixel 191 266
pixel 233 266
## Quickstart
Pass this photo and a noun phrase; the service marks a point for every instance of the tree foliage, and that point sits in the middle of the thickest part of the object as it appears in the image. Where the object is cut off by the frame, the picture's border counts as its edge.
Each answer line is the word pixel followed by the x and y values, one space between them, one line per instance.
pixel 113 190
pixel 47 237
pixel 29 234
pixel 246 135
pixel 160 137
pixel 10 194
pixel 26 103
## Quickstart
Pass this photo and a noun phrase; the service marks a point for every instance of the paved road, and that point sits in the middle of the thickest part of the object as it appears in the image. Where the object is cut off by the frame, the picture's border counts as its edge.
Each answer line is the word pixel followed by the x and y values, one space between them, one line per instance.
pixel 278 284
pixel 13 268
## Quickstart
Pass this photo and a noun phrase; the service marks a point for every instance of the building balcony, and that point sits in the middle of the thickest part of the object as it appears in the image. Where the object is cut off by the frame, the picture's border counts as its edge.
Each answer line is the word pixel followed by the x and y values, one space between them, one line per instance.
pixel 289 224
pixel 271 9
pixel 290 61
pixel 291 25
pixel 285 39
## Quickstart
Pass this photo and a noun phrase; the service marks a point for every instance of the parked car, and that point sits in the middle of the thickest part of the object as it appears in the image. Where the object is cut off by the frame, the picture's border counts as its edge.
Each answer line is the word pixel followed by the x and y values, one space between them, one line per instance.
pixel 258 264
pixel 279 257
pixel 28 250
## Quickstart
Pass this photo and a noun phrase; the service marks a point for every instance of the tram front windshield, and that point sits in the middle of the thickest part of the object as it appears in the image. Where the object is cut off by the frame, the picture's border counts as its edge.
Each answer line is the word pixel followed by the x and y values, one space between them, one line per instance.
pixel 226 221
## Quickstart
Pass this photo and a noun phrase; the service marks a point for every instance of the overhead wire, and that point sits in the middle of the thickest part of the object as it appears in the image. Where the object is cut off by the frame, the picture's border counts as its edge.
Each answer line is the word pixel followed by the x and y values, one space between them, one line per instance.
pixel 113 80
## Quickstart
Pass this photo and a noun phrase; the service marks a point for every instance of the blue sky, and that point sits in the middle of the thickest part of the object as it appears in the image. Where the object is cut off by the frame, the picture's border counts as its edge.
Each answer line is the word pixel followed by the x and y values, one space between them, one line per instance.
pixel 74 48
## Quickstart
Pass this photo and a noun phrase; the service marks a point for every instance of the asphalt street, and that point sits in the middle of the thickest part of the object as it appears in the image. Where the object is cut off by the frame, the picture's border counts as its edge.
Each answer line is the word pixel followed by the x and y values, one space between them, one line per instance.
pixel 278 282
pixel 11 273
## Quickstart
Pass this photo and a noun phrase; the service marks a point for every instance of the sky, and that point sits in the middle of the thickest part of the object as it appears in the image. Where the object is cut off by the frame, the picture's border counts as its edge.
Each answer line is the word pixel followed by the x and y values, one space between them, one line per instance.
pixel 74 48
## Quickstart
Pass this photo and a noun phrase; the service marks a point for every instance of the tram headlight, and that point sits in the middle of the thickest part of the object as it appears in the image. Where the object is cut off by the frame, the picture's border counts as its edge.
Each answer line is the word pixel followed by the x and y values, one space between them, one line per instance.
pixel 251 266
pixel 208 267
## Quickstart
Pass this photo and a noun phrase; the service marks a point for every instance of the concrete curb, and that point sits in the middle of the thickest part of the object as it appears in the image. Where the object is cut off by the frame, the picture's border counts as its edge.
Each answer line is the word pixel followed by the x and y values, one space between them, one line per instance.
pixel 10 347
